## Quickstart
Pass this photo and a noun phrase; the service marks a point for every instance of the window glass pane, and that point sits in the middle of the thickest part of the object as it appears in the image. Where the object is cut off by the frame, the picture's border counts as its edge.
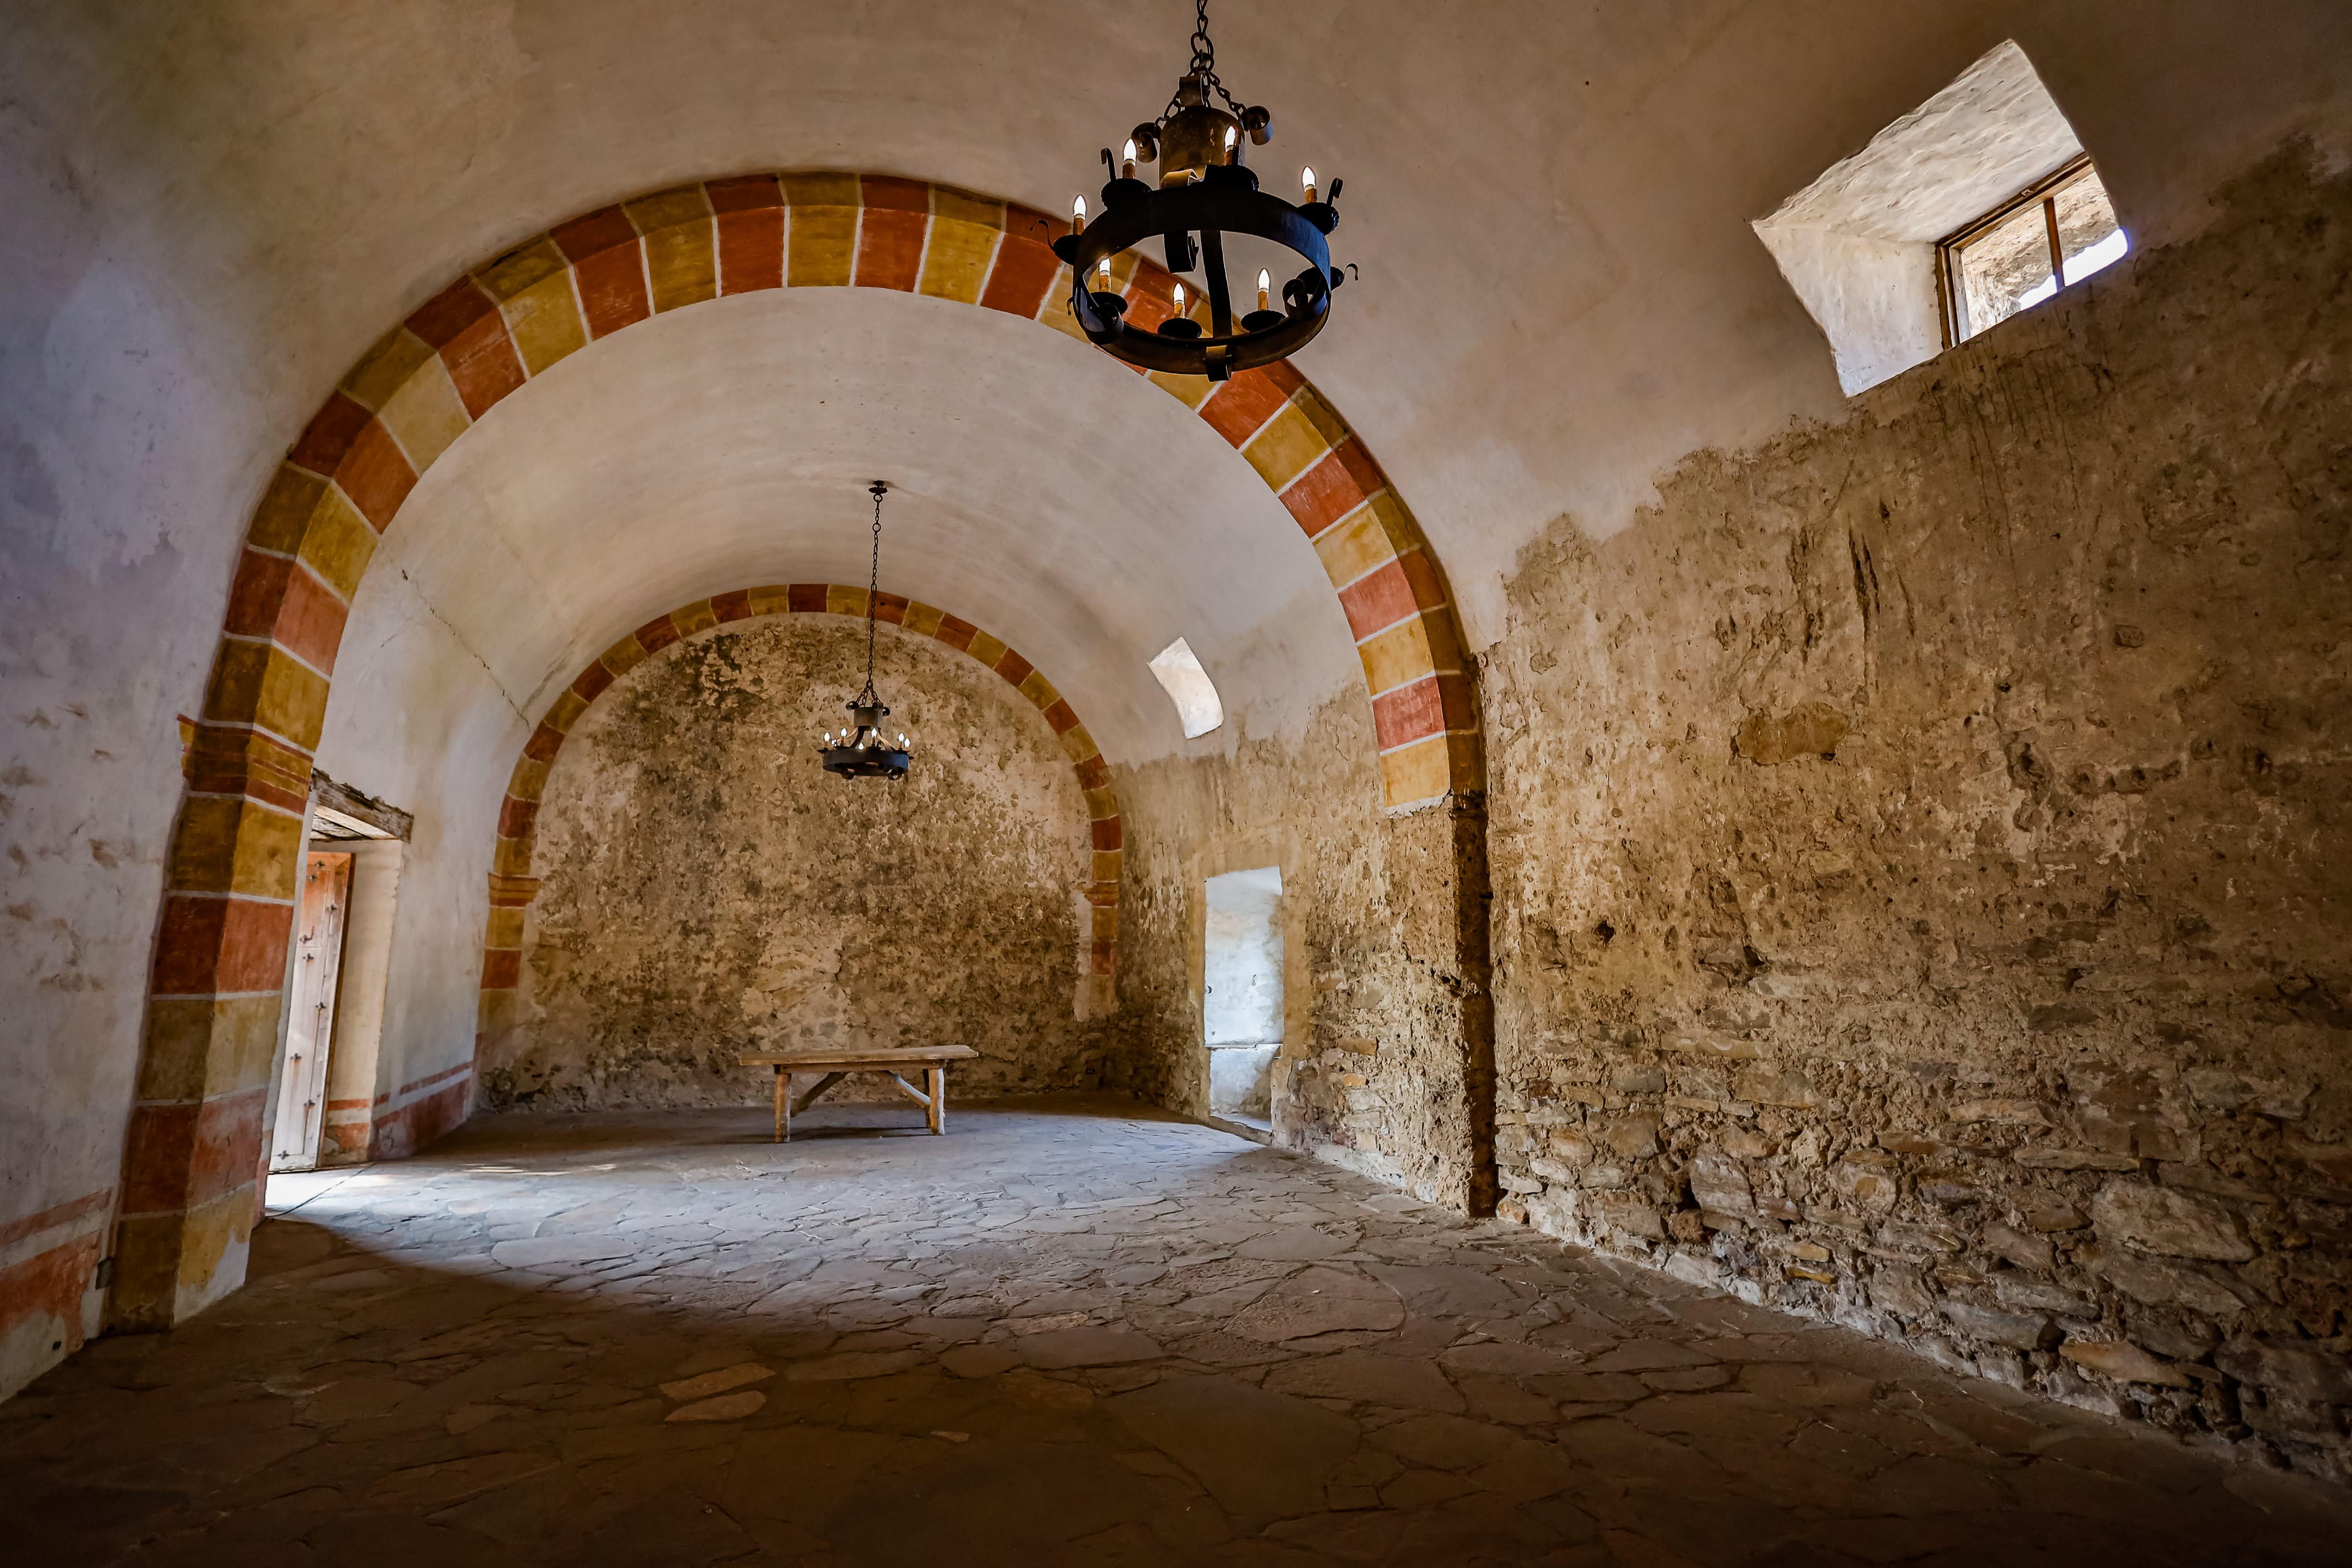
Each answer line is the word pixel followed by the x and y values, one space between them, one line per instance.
pixel 2087 235
pixel 2006 269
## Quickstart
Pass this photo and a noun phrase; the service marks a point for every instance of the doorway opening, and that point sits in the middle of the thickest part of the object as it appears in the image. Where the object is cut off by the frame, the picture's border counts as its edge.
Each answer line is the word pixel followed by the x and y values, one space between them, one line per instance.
pixel 320 923
pixel 1241 994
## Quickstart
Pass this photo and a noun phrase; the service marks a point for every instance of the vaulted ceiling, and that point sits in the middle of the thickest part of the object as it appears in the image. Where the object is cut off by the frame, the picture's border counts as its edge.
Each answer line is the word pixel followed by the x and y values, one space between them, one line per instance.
pixel 1560 294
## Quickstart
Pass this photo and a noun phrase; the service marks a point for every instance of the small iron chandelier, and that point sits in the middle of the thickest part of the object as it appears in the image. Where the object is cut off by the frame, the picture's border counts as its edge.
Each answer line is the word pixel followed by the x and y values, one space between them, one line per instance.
pixel 866 753
pixel 1204 190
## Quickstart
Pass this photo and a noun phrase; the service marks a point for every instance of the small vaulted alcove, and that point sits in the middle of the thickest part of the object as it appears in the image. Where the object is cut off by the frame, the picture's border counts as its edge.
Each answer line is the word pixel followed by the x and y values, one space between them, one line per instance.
pixel 1094 783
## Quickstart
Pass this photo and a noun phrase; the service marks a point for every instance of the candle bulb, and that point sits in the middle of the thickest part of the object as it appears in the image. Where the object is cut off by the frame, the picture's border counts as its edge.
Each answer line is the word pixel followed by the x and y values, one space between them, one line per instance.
pixel 1126 159
pixel 1102 276
pixel 1232 143
pixel 1307 178
pixel 1264 290
pixel 1180 301
pixel 1077 214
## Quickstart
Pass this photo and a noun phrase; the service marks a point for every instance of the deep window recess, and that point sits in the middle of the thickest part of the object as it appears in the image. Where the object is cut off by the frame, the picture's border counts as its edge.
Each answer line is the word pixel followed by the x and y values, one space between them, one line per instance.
pixel 1189 688
pixel 2057 231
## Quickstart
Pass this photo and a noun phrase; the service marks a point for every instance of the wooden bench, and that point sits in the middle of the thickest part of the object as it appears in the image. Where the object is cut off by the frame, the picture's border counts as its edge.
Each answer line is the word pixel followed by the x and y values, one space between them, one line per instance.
pixel 837 1064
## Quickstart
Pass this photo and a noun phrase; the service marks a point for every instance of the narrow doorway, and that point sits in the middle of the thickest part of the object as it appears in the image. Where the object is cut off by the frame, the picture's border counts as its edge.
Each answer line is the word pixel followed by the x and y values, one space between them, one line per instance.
pixel 320 924
pixel 1241 1000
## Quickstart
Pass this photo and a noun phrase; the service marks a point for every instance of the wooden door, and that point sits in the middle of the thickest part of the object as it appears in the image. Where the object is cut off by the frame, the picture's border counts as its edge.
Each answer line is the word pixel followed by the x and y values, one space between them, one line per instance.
pixel 311 1028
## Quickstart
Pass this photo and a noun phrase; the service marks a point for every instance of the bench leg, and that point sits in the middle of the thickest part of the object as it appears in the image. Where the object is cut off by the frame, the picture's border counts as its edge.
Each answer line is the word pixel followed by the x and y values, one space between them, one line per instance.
pixel 937 1082
pixel 783 1107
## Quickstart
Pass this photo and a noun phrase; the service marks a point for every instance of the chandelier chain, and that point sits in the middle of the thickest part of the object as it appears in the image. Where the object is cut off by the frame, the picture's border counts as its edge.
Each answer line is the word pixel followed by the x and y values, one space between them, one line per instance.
pixel 1205 65
pixel 873 603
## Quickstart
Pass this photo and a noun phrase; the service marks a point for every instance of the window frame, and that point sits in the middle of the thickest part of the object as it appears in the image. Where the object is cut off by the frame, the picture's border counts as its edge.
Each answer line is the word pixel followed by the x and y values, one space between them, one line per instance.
pixel 1951 298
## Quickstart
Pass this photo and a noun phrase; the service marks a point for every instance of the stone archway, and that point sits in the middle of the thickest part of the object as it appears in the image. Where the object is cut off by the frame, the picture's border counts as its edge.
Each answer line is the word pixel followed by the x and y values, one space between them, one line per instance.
pixel 513 888
pixel 195 1134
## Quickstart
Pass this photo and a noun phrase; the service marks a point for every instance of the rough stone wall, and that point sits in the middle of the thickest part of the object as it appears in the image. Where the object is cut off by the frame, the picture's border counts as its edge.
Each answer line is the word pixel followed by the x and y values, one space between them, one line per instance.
pixel 1923 850
pixel 709 890
pixel 1384 989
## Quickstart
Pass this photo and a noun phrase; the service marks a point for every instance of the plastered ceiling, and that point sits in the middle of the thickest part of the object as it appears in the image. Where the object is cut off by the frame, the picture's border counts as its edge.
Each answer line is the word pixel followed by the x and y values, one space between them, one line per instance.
pixel 729 445
pixel 1560 294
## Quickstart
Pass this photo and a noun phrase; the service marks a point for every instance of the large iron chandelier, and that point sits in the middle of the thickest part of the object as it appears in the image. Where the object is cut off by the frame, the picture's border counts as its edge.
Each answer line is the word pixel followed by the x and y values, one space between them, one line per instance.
pixel 1204 191
pixel 866 753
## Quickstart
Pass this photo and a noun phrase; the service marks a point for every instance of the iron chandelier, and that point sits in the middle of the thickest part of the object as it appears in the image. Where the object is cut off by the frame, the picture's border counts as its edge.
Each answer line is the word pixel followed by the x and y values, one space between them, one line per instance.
pixel 866 753
pixel 1204 191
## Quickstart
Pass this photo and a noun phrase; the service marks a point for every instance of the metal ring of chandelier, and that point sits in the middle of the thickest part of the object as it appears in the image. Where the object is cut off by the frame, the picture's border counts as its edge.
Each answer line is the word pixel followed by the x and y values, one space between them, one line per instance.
pixel 1204 190
pixel 1226 201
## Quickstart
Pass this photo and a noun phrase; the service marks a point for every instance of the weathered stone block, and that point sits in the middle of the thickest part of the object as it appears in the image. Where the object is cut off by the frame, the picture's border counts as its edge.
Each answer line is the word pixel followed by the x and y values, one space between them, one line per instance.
pixel 2157 1219
pixel 1872 1187
pixel 1902 1292
pixel 2022 1331
pixel 2025 1295
pixel 1629 1212
pixel 1632 1137
pixel 2124 1361
pixel 2020 1248
pixel 2289 1370
pixel 1771 1086
pixel 1717 1182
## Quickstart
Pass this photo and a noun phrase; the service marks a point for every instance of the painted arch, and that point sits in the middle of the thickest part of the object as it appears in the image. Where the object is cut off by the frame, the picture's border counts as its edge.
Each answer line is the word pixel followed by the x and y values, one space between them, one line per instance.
pixel 513 888
pixel 194 1140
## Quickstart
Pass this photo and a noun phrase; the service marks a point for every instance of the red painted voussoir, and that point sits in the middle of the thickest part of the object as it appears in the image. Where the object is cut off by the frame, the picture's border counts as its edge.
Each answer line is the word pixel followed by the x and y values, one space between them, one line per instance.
pixel 891 607
pixel 221 943
pixel 1239 409
pixel 589 683
pixel 890 248
pixel 375 475
pixel 1377 600
pixel 330 435
pixel 483 363
pixel 440 320
pixel 1107 833
pixel 804 598
pixel 1013 668
pixel 890 193
pixel 1025 265
pixel 183 1155
pixel 593 234
pixel 501 968
pixel 1062 717
pixel 747 192
pixel 517 818
pixel 733 605
pixel 274 597
pixel 612 290
pixel 956 632
pixel 752 249
pixel 1323 495
pixel 656 634
pixel 1410 713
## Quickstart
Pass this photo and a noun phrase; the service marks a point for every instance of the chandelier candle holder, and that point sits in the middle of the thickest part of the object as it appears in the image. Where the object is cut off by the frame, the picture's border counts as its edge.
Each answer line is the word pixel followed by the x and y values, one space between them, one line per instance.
pixel 866 752
pixel 1205 192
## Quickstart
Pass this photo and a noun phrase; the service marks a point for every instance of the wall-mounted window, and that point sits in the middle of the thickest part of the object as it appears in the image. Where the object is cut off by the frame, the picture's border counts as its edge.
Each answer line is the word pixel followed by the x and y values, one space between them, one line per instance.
pixel 2056 231
pixel 1188 686
pixel 1948 220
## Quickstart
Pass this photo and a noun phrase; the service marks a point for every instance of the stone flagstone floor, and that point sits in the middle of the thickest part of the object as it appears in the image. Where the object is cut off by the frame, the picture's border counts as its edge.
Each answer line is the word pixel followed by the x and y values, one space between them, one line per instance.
pixel 1071 1333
